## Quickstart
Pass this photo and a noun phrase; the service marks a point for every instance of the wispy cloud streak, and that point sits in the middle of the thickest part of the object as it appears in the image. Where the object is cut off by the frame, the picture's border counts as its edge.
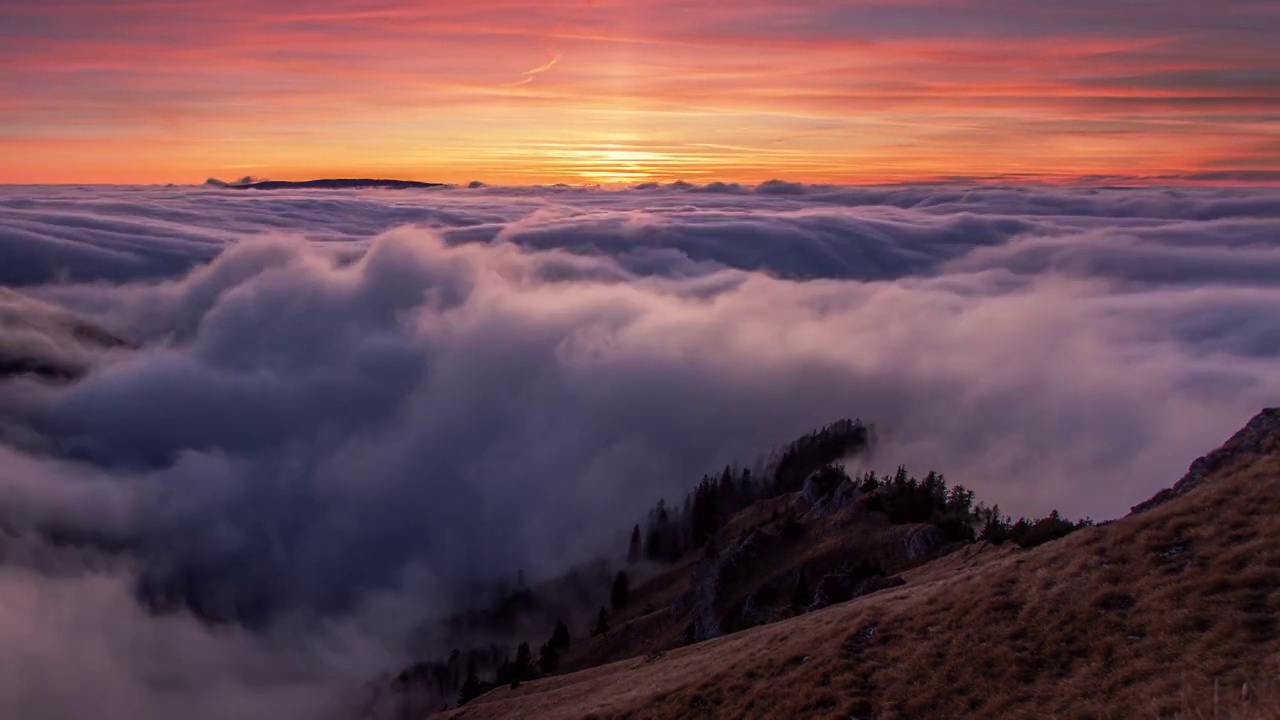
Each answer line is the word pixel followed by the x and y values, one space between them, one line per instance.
pixel 140 92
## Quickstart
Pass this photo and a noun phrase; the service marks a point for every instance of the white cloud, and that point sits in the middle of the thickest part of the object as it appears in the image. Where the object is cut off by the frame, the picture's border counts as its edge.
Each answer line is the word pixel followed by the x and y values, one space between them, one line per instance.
pixel 355 388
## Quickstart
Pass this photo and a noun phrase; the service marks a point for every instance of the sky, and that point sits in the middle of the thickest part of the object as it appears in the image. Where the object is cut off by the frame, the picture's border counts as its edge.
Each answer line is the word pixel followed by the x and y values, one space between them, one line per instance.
pixel 620 91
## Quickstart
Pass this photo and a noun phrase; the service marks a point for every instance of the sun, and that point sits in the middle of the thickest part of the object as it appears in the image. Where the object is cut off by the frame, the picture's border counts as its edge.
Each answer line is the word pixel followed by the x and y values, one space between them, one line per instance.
pixel 615 164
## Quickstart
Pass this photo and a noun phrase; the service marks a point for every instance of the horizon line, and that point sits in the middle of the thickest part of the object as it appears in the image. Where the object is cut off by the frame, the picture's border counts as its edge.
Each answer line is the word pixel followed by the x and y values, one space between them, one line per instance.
pixel 1249 179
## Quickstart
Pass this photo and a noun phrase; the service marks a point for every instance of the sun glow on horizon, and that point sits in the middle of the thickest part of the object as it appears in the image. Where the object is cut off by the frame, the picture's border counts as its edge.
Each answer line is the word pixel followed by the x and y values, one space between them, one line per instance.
pixel 616 91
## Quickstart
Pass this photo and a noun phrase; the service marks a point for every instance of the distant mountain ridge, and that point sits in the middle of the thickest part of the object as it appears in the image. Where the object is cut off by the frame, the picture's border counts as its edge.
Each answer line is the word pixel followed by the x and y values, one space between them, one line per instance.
pixel 326 184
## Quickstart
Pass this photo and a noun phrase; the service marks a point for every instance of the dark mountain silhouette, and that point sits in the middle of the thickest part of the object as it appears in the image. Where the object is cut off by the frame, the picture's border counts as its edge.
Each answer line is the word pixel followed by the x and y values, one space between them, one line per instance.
pixel 333 184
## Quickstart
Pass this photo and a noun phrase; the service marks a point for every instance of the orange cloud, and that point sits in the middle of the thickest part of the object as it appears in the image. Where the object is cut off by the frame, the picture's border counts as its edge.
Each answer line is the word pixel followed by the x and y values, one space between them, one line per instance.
pixel 143 91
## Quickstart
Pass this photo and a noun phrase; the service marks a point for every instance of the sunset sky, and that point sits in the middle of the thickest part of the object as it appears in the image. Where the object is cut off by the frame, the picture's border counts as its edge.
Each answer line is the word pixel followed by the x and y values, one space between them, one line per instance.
pixel 585 91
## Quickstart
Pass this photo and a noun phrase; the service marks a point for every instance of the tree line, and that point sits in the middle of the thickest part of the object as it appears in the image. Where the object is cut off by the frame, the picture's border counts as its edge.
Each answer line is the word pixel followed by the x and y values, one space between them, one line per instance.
pixel 669 532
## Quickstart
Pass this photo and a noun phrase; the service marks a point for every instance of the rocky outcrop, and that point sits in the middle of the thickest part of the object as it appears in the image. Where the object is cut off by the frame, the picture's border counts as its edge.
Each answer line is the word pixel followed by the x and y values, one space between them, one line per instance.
pixel 825 500
pixel 1259 437
pixel 736 561
pixel 703 597
pixel 923 542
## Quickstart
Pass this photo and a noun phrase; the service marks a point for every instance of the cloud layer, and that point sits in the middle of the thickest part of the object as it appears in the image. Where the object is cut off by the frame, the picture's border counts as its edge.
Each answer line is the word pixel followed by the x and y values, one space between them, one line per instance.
pixel 337 399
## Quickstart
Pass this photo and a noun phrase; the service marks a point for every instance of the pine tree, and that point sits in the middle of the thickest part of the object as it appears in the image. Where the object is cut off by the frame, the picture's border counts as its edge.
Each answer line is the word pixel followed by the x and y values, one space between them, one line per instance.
pixel 705 514
pixel 660 543
pixel 471 689
pixel 560 636
pixel 602 624
pixel 523 669
pixel 549 653
pixel 621 591
pixel 634 550
pixel 548 658
pixel 995 528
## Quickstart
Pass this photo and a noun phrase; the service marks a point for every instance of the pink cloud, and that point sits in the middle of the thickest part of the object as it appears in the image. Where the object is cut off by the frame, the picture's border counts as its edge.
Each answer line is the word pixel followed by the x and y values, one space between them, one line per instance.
pixel 436 80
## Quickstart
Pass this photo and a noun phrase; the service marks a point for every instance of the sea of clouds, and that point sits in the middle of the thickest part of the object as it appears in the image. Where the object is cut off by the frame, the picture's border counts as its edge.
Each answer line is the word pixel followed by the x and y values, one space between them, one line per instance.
pixel 336 410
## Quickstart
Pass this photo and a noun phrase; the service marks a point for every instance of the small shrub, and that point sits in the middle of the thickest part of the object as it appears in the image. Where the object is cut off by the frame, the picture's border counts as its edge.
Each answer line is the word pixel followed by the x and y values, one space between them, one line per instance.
pixel 1029 534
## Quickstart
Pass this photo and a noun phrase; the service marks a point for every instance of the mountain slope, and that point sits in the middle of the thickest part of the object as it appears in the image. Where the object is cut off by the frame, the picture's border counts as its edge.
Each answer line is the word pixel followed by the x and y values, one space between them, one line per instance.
pixel 1142 617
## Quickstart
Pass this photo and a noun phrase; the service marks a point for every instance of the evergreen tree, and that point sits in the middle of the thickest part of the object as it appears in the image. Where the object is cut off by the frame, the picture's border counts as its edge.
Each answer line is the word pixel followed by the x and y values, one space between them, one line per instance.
pixel 523 669
pixel 602 624
pixel 620 592
pixel 524 658
pixel 471 689
pixel 726 482
pixel 703 516
pixel 960 501
pixel 548 658
pixel 634 550
pixel 995 528
pixel 549 653
pixel 560 636
pixel 662 541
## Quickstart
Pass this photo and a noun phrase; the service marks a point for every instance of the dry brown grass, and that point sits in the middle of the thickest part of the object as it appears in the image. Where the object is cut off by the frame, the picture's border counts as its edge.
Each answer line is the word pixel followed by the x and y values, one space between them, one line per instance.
pixel 1140 618
pixel 1251 700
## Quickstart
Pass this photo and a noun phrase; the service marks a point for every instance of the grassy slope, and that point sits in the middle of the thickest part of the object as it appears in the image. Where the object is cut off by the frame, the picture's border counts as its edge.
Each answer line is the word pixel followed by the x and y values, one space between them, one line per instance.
pixel 1142 617
pixel 660 610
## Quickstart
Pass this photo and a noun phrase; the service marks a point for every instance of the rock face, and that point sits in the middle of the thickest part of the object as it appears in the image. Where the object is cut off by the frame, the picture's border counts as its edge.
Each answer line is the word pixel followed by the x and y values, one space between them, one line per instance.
pixel 704 596
pixel 923 542
pixel 711 574
pixel 1259 437
pixel 826 500
pixel 755 580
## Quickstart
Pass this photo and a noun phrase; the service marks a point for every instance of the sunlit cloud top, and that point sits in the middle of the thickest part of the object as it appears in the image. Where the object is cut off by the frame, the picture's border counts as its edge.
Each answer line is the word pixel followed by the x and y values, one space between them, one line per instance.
pixel 585 91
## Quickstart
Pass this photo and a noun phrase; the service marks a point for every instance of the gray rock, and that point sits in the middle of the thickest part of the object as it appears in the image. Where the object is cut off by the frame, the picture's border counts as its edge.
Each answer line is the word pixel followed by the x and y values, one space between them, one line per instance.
pixel 924 542
pixel 1259 437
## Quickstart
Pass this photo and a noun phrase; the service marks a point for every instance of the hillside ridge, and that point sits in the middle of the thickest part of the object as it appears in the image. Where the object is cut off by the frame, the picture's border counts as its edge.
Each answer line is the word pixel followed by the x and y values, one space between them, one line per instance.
pixel 1142 616
pixel 1260 435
